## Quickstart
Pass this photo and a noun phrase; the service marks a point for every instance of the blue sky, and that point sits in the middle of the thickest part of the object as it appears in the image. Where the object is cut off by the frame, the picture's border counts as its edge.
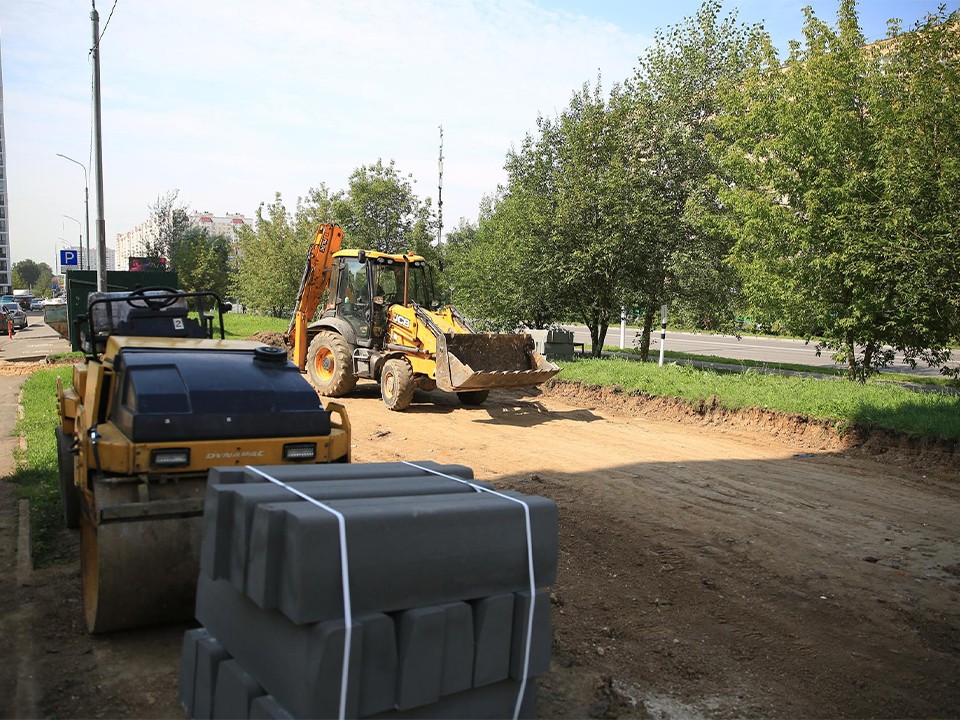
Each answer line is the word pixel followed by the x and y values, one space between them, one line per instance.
pixel 230 102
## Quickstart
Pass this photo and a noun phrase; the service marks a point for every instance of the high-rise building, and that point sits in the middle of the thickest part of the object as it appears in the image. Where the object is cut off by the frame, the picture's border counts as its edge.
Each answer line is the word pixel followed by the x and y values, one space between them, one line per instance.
pixel 134 242
pixel 5 268
pixel 220 224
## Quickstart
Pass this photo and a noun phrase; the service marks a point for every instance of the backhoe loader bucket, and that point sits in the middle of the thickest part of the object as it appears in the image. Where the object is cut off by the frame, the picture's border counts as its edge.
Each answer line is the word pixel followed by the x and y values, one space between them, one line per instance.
pixel 487 361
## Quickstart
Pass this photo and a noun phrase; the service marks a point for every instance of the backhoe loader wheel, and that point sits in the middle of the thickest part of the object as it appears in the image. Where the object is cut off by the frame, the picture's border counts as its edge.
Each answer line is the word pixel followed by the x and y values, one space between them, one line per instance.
pixel 69 494
pixel 397 384
pixel 330 365
pixel 476 397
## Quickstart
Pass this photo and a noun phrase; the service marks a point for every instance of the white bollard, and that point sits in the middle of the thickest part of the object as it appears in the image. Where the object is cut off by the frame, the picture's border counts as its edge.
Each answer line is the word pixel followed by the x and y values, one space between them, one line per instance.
pixel 663 331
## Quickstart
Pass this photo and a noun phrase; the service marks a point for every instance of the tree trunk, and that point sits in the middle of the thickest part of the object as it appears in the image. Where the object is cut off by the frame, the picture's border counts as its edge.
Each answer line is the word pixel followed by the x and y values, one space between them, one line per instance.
pixel 597 334
pixel 868 352
pixel 645 336
pixel 852 373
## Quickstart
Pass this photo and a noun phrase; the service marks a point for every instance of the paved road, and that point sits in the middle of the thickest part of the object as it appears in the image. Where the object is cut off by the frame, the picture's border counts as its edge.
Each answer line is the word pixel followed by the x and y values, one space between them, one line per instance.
pixel 34 342
pixel 781 350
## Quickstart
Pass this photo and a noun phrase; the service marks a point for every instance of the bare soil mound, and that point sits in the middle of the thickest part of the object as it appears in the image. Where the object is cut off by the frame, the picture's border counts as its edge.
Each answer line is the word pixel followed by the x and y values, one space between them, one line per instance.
pixel 820 435
pixel 711 564
pixel 275 339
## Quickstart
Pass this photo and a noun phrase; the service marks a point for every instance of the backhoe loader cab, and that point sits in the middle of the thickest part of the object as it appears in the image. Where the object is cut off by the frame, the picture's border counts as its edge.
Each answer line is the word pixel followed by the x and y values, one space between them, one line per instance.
pixel 157 403
pixel 379 319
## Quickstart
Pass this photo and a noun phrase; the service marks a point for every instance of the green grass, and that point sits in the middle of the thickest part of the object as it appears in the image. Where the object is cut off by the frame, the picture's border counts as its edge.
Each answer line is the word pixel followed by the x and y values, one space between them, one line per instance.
pixel 243 325
pixel 36 475
pixel 57 357
pixel 874 404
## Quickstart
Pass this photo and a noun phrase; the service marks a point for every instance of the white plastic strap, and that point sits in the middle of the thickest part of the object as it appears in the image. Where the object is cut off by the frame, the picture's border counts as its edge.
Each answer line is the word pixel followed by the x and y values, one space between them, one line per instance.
pixel 533 584
pixel 344 580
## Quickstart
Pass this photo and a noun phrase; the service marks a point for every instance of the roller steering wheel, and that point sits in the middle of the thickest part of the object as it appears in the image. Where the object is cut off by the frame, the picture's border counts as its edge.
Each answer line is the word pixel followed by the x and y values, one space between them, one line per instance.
pixel 153 302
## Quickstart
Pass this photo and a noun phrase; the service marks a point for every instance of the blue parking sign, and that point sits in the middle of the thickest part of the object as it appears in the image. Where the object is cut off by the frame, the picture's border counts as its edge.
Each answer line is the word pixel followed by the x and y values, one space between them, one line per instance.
pixel 69 257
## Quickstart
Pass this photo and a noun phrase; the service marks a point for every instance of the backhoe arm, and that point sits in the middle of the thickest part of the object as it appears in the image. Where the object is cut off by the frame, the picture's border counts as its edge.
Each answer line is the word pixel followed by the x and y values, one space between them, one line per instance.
pixel 316 277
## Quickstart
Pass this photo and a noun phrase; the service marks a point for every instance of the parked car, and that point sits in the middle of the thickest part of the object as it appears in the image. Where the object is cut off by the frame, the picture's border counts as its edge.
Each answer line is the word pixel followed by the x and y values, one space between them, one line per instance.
pixel 36 304
pixel 16 313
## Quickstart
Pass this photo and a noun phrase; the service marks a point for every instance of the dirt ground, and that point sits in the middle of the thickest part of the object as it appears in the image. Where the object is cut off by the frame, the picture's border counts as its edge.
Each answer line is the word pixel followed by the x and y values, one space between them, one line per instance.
pixel 712 565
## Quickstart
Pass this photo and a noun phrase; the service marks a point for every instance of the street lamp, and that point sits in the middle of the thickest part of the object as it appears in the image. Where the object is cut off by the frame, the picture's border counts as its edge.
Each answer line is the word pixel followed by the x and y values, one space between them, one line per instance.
pixel 62 217
pixel 86 201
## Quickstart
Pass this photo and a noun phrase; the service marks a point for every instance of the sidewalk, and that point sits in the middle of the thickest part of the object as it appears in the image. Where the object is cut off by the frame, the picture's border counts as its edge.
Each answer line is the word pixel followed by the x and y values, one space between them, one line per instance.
pixel 35 342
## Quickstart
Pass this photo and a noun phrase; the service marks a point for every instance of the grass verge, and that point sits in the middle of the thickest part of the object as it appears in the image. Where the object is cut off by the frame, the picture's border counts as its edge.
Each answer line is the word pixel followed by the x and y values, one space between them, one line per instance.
pixel 243 325
pixel 877 405
pixel 36 466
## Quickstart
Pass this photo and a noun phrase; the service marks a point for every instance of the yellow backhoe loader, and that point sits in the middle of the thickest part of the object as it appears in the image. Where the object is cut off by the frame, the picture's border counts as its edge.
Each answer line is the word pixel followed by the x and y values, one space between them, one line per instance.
pixel 157 403
pixel 380 321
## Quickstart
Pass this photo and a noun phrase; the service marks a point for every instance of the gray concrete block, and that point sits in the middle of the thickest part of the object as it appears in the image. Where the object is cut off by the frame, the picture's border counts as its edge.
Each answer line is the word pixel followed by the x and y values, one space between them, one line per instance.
pixel 493 630
pixel 235 690
pixel 265 556
pixel 266 708
pixel 188 667
pixel 541 639
pixel 300 665
pixel 411 552
pixel 215 538
pixel 458 649
pixel 210 654
pixel 333 471
pixel 225 475
pixel 420 635
pixel 233 537
pixel 378 665
pixel 492 702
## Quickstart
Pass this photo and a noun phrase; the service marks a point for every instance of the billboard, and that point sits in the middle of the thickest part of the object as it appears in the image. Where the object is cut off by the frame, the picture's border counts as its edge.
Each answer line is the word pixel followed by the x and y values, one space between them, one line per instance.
pixel 141 264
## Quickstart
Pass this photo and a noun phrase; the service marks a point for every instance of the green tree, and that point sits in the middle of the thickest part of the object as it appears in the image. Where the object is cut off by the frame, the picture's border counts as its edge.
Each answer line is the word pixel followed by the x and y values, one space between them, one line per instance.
pixel 25 274
pixel 313 209
pixel 33 276
pixel 841 189
pixel 44 281
pixel 170 221
pixel 271 258
pixel 594 212
pixel 380 211
pixel 506 269
pixel 202 261
pixel 675 100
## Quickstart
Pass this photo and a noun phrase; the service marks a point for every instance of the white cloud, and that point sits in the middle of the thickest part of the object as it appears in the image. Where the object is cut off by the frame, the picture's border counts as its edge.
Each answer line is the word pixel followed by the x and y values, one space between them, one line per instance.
pixel 230 102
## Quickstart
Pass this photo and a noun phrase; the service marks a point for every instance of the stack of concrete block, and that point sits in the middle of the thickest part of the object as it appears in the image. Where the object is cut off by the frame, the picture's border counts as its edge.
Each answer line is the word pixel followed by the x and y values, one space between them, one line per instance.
pixel 439 595
pixel 555 343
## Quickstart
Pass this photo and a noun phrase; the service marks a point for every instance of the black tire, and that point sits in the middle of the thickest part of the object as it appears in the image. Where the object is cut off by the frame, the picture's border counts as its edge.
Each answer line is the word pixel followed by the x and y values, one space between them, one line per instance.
pixel 474 397
pixel 397 384
pixel 69 493
pixel 330 365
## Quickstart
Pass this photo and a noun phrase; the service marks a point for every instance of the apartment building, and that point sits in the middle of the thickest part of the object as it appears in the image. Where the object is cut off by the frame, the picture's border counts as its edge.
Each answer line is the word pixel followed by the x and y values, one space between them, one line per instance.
pixel 135 241
pixel 6 270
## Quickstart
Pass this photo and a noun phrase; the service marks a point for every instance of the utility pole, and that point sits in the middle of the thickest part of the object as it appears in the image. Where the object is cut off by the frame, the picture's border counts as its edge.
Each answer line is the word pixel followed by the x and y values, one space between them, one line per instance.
pixel 98 154
pixel 440 192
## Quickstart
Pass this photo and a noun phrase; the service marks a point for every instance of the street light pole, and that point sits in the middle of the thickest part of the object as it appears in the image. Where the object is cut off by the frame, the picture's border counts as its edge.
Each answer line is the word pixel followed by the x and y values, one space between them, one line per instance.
pixel 86 202
pixel 98 154
pixel 62 217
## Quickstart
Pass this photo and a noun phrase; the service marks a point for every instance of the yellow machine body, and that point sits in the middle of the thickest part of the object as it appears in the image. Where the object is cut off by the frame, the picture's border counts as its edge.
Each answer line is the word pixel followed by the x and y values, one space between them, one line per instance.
pixel 140 518
pixel 361 328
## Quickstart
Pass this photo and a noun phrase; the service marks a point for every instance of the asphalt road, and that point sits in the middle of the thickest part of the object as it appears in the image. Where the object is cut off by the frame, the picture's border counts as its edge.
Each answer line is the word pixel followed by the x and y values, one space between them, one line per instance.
pixel 38 340
pixel 748 347
pixel 34 342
